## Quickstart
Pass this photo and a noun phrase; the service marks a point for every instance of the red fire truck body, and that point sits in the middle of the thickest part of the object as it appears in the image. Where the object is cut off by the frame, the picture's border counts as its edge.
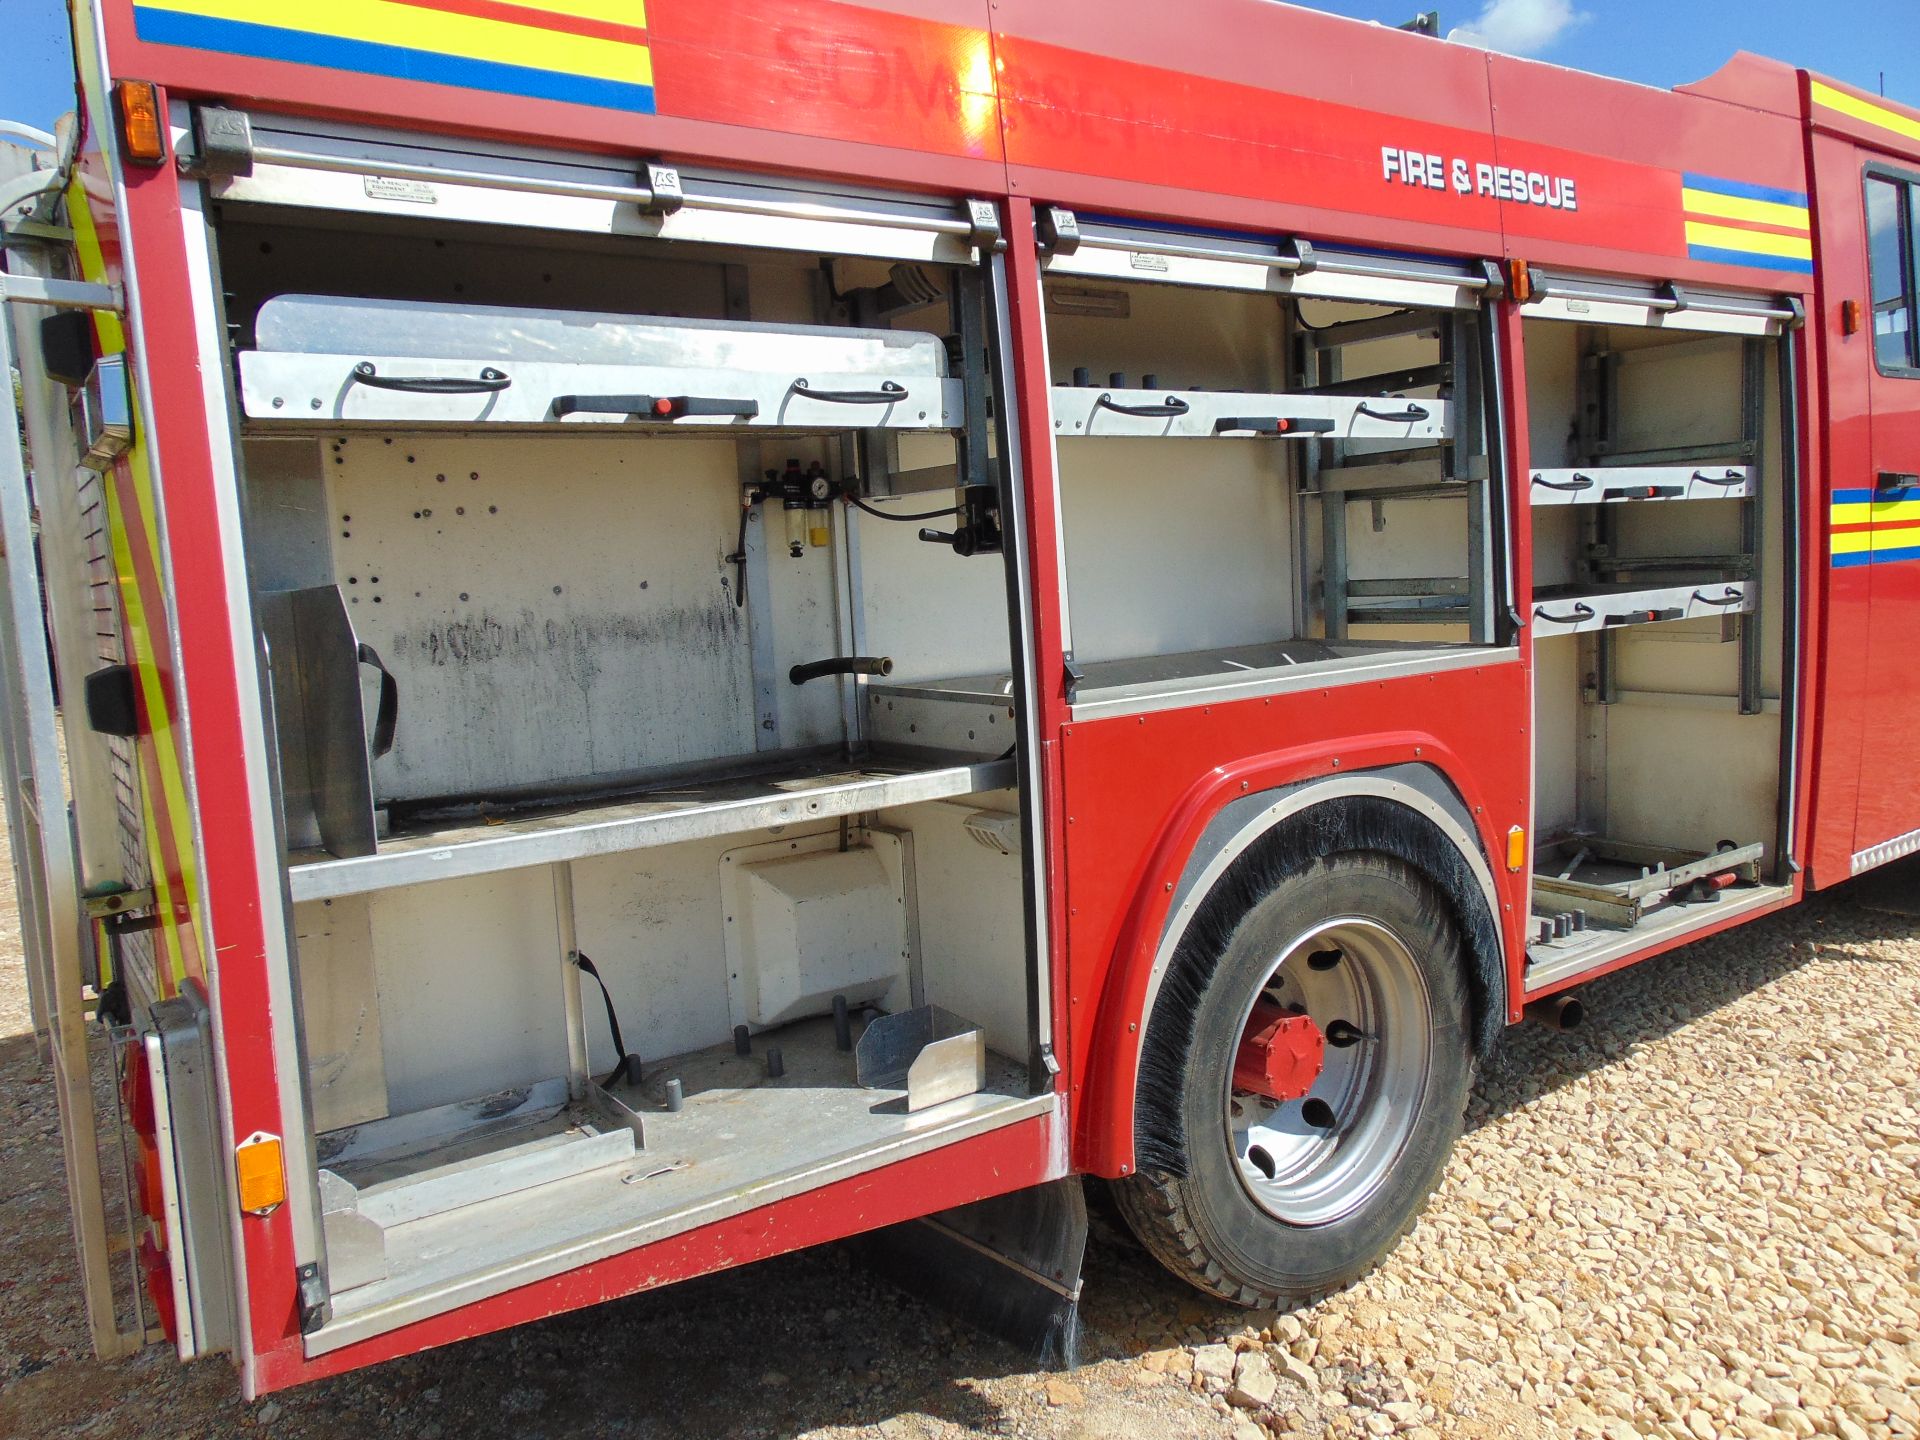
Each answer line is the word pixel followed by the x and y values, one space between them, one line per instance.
pixel 1607 727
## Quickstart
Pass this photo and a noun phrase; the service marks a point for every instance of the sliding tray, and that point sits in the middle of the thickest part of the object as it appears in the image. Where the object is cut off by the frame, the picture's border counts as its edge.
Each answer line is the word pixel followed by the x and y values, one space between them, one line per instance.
pixel 1618 484
pixel 1612 882
pixel 1095 411
pixel 1575 609
pixel 352 361
pixel 717 801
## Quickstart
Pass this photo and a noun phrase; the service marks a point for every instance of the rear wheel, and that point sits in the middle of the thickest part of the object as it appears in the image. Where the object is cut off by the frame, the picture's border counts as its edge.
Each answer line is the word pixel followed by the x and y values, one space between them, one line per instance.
pixel 1322 1086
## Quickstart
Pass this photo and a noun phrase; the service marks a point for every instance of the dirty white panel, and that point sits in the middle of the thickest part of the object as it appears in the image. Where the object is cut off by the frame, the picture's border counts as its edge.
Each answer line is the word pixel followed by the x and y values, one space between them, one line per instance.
pixel 1557 717
pixel 1173 546
pixel 937 614
pixel 470 987
pixel 551 607
pixel 1218 339
pixel 972 930
pixel 1553 360
pixel 652 921
pixel 340 1013
pixel 1691 778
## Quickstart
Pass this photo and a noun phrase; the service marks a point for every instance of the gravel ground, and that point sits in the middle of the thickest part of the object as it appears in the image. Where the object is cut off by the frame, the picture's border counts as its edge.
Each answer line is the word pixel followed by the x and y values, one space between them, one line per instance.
pixel 1698 1217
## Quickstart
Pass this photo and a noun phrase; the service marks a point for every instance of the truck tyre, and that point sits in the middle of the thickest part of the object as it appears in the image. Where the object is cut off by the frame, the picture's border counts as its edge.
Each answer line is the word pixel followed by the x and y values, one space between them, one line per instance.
pixel 1280 1193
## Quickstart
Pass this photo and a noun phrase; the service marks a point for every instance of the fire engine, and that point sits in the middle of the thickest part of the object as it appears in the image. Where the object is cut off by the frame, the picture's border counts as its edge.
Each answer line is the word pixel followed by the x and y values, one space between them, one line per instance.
pixel 691 629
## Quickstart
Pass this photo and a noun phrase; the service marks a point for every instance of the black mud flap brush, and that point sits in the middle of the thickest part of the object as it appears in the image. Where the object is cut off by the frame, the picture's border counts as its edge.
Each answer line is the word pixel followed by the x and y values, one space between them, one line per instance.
pixel 1009 1265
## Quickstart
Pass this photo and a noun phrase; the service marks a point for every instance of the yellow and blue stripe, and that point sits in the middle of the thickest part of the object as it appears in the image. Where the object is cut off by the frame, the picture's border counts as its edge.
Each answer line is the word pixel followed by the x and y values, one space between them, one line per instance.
pixel 1875 527
pixel 1730 222
pixel 585 52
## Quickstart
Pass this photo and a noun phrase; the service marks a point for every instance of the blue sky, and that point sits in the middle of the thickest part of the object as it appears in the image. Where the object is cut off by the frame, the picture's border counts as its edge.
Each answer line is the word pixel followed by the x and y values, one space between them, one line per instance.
pixel 1657 42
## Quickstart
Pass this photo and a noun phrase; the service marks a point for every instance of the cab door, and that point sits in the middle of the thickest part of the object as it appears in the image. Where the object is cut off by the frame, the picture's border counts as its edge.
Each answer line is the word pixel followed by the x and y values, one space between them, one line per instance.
pixel 1888 819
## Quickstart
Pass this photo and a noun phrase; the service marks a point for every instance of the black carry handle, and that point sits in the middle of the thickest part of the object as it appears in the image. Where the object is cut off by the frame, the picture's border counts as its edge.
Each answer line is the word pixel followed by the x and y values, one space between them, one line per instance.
pixel 1171 406
pixel 1581 612
pixel 1647 617
pixel 1271 425
pixel 1572 487
pixel 488 381
pixel 387 717
pixel 1732 597
pixel 889 391
pixel 654 407
pixel 1732 477
pixel 1407 416
pixel 1647 492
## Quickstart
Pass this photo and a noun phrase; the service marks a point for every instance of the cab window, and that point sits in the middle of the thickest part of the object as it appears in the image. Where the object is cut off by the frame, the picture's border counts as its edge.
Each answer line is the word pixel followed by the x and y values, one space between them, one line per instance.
pixel 1893 238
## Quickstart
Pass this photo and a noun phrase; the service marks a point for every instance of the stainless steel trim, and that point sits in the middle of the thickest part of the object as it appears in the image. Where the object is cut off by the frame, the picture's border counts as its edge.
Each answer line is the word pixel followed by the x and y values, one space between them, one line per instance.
pixel 1550 286
pixel 186 1341
pixel 1895 849
pixel 191 1160
pixel 1257 684
pixel 1016 547
pixel 434 175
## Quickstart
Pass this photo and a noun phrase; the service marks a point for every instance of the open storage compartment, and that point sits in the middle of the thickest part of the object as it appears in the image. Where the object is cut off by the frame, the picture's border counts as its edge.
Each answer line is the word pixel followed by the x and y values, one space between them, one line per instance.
pixel 1273 462
pixel 1662 489
pixel 601 578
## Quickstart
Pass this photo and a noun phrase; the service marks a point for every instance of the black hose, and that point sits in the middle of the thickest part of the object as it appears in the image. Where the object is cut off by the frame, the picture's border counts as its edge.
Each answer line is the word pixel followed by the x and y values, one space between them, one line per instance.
pixel 881 665
pixel 740 559
pixel 860 504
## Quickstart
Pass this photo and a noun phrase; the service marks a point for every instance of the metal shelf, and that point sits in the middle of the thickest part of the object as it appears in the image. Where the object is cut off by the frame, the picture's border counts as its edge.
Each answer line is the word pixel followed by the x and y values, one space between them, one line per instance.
pixel 737 800
pixel 1616 484
pixel 1095 411
pixel 1578 609
pixel 303 390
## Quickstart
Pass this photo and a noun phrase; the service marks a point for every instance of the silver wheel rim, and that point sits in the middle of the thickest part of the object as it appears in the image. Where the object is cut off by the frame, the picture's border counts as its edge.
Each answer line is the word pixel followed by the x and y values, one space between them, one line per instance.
pixel 1319 1158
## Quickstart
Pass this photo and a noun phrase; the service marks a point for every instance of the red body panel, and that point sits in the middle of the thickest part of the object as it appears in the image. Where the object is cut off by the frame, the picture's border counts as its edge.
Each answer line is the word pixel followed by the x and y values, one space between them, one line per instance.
pixel 1141 789
pixel 1162 112
pixel 1843 422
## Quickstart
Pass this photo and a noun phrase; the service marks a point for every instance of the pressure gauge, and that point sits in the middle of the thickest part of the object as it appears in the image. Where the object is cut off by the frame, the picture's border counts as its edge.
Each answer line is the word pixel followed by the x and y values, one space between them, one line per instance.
pixel 820 487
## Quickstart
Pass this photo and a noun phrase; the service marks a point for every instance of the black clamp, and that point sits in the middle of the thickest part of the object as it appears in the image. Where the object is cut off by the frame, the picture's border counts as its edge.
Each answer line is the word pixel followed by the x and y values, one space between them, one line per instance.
pixel 313 1298
pixel 1057 230
pixel 983 225
pixel 1076 677
pixel 663 184
pixel 222 145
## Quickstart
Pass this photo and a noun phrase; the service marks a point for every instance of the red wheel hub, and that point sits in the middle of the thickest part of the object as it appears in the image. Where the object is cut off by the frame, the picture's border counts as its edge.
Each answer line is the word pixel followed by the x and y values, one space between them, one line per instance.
pixel 1281 1054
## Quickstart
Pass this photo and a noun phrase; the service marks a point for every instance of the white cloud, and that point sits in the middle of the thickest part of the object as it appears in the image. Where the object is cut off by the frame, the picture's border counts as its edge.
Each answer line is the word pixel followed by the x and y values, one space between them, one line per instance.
pixel 1520 27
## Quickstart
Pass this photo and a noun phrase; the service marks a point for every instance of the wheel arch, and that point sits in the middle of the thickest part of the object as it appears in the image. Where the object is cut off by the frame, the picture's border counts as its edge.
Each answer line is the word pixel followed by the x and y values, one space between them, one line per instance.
pixel 1410 811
